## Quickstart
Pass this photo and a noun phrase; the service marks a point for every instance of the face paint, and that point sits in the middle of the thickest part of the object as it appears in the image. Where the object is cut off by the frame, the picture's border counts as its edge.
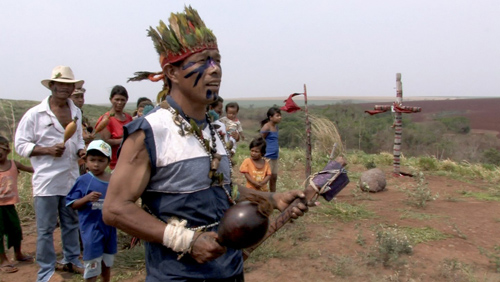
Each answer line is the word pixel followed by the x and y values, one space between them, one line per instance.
pixel 212 95
pixel 199 70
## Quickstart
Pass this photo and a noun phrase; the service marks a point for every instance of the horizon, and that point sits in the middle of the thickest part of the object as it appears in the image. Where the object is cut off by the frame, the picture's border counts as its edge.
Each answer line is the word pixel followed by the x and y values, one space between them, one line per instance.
pixel 312 100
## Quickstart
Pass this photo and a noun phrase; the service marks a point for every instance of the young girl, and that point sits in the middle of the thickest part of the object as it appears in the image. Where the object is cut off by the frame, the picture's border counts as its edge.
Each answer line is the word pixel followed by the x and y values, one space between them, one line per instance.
pixel 87 196
pixel 10 226
pixel 256 169
pixel 269 132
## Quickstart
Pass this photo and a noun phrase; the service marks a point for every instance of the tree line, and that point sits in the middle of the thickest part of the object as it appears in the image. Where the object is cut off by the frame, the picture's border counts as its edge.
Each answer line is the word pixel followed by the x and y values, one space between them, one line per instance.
pixel 443 137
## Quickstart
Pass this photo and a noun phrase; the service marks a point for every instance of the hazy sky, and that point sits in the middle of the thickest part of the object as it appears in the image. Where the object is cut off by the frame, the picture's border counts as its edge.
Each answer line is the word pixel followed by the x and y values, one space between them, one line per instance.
pixel 269 48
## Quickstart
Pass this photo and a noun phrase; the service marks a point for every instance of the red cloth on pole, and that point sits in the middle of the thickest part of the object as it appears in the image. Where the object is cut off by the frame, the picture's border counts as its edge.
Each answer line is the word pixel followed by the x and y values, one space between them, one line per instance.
pixel 374 112
pixel 406 110
pixel 290 106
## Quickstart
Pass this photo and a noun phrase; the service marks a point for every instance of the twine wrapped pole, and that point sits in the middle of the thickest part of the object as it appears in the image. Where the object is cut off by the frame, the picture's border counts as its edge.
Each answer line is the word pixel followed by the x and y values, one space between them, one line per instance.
pixel 398 109
pixel 291 107
pixel 308 136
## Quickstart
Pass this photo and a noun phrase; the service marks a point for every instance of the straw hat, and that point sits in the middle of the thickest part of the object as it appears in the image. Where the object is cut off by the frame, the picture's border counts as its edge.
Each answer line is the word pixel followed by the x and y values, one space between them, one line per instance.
pixel 63 74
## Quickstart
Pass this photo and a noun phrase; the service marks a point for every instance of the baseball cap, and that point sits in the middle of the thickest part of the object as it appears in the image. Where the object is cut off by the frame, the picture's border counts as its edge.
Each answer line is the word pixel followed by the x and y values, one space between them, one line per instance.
pixel 100 146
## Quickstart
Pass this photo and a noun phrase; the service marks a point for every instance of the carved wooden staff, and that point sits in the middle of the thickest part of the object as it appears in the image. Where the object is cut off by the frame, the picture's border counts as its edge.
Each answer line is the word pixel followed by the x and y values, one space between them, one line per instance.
pixel 308 136
pixel 398 109
pixel 327 183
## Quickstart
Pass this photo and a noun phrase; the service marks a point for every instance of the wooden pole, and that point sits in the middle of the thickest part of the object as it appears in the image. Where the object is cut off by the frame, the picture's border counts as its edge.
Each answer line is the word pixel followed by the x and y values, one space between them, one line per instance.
pixel 398 126
pixel 398 109
pixel 308 136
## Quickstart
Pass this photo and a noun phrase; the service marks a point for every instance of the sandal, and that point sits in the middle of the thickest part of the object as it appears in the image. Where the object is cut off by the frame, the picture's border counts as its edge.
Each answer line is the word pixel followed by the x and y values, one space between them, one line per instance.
pixel 8 268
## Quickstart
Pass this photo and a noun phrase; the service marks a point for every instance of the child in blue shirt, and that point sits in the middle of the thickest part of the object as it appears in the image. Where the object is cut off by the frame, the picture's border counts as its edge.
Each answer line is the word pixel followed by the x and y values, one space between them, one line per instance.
pixel 269 131
pixel 87 196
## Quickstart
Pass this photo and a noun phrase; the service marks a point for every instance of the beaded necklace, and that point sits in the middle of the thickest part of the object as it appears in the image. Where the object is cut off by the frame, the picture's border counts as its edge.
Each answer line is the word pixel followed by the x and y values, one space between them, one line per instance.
pixel 188 126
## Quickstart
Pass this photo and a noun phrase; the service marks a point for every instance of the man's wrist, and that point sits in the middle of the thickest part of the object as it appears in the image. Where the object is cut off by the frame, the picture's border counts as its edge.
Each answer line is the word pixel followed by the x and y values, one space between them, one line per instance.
pixel 176 236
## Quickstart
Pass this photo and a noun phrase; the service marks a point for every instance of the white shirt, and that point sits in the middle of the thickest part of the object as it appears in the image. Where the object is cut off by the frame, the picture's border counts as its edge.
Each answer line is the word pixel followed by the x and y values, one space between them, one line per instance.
pixel 53 176
pixel 227 138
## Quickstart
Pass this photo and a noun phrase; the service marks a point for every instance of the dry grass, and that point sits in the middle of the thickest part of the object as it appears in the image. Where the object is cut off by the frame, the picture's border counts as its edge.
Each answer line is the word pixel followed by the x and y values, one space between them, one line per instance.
pixel 326 136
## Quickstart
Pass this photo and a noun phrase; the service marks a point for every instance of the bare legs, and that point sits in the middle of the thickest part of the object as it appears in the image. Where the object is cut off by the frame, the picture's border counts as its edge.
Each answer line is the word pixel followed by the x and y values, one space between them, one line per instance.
pixel 272 182
pixel 105 274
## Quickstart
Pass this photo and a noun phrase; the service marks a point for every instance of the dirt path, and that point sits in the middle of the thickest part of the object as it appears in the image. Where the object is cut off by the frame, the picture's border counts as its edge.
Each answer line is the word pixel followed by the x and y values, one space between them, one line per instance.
pixel 328 249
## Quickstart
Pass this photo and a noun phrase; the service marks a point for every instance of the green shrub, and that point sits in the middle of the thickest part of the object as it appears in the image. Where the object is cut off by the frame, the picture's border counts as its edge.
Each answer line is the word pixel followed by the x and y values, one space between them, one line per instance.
pixel 419 193
pixel 391 243
pixel 428 163
pixel 343 265
pixel 448 165
pixel 370 164
pixel 455 271
pixel 385 158
pixel 491 156
pixel 456 124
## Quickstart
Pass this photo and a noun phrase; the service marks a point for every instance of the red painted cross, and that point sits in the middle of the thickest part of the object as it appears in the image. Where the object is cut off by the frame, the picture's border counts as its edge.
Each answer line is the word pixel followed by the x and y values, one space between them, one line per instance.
pixel 398 109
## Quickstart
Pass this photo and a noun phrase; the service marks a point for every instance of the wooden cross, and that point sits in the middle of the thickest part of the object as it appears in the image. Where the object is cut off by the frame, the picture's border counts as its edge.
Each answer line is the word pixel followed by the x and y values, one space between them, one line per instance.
pixel 398 109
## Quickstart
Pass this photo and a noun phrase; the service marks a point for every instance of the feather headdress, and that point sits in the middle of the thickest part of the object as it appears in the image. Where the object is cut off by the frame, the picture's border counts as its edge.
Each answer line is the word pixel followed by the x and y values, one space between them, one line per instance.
pixel 185 35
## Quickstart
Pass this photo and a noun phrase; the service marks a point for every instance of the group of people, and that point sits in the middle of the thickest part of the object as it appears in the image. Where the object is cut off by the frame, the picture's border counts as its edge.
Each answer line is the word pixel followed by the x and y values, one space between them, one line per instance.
pixel 69 180
pixel 173 158
pixel 261 167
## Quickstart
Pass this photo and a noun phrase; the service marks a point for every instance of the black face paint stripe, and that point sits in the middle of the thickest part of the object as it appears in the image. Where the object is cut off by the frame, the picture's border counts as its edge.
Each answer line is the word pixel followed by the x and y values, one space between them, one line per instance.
pixel 210 93
pixel 199 70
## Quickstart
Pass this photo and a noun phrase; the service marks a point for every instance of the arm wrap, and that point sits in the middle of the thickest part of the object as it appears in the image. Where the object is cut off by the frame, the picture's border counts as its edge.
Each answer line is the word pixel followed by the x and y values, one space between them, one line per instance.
pixel 176 236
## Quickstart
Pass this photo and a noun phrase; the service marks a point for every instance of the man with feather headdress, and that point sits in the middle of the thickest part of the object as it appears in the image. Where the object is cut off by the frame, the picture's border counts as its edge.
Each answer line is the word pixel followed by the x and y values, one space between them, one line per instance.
pixel 176 162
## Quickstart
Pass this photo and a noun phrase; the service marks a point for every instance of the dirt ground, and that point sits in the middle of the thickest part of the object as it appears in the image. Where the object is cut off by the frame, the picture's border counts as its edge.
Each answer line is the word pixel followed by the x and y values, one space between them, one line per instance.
pixel 470 224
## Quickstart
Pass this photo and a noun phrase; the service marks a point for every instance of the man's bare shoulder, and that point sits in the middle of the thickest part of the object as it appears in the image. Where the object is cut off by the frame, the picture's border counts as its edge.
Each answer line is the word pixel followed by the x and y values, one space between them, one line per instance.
pixel 134 140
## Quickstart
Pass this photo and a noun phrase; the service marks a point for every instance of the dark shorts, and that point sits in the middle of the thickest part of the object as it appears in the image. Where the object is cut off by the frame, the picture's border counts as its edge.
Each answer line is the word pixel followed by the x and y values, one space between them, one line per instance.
pixel 10 226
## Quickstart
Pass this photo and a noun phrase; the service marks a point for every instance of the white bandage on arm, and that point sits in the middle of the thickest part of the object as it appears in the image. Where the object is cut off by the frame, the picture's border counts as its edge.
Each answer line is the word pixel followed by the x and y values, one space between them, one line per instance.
pixel 176 236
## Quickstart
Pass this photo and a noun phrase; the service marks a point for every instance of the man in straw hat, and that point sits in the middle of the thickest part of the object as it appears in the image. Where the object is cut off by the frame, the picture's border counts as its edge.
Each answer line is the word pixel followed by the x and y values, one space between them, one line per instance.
pixel 176 162
pixel 40 136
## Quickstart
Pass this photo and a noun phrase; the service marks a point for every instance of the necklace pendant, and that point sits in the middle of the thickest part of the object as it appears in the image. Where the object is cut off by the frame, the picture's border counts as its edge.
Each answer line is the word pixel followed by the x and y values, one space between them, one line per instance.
pixel 217 178
pixel 215 162
pixel 178 121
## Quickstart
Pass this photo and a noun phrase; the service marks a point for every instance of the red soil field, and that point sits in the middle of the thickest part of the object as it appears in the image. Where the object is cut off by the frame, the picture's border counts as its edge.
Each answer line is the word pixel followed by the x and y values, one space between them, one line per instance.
pixel 483 113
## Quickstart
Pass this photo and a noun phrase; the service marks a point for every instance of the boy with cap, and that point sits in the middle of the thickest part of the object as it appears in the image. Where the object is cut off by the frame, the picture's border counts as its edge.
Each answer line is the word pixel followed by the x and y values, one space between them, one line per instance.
pixel 177 163
pixel 86 196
